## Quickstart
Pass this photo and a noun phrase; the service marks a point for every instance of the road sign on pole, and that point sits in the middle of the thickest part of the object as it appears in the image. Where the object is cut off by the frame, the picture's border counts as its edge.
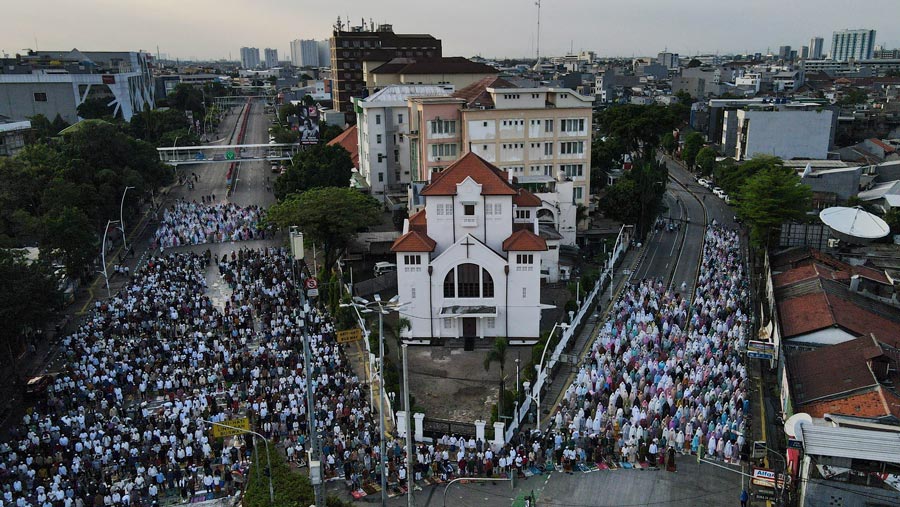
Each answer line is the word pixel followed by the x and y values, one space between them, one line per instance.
pixel 349 335
pixel 229 155
pixel 312 287
pixel 239 426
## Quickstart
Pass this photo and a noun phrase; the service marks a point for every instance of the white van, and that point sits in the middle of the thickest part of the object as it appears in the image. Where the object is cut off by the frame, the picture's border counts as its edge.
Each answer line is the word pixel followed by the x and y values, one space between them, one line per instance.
pixel 384 267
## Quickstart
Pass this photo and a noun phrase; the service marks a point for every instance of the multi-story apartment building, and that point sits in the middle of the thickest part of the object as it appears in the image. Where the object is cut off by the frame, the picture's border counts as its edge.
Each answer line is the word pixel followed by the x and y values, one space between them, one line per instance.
pixel 537 135
pixel 249 58
pixel 383 130
pixel 351 49
pixel 271 57
pixel 852 45
pixel 305 53
pixel 816 46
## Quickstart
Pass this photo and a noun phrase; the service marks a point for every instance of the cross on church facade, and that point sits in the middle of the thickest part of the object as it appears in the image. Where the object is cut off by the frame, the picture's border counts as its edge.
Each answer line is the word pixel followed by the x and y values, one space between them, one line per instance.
pixel 467 242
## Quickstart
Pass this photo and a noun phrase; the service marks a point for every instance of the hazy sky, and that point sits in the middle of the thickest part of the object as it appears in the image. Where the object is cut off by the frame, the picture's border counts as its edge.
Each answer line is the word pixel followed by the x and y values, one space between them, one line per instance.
pixel 491 28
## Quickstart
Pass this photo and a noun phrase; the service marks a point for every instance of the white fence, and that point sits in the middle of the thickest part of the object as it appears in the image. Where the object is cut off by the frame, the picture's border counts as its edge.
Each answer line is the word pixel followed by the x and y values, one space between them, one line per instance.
pixel 618 250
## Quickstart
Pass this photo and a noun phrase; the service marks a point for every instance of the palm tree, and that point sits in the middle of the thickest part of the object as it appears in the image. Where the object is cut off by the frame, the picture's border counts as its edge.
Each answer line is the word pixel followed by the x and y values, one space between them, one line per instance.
pixel 498 354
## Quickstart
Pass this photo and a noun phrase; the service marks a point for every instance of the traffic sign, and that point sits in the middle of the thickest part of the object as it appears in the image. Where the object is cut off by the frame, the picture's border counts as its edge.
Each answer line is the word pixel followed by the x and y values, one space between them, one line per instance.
pixel 760 355
pixel 229 155
pixel 199 156
pixel 760 346
pixel 237 426
pixel 311 283
pixel 795 444
pixel 349 335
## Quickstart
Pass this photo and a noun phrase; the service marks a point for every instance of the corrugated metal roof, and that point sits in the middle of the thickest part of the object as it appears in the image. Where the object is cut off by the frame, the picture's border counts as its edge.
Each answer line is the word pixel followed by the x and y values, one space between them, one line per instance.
pixel 852 443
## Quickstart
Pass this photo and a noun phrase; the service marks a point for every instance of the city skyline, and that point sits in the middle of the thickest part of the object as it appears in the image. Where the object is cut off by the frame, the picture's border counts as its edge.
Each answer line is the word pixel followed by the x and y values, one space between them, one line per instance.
pixel 207 30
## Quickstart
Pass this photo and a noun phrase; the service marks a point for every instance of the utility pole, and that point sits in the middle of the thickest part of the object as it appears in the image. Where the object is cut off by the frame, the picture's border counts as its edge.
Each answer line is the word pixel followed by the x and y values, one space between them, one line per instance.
pixel 314 458
pixel 410 457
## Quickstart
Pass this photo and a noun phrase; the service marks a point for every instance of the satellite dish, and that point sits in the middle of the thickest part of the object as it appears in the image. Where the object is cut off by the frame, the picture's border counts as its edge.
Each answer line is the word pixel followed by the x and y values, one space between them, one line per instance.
pixel 792 425
pixel 854 225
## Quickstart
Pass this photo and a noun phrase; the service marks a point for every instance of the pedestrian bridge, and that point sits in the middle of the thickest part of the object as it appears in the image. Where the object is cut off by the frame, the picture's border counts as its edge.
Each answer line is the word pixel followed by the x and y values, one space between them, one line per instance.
pixel 206 154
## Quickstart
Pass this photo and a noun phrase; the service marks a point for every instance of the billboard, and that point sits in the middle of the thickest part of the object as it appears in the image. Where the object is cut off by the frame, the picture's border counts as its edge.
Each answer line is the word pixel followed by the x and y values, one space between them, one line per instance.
pixel 307 124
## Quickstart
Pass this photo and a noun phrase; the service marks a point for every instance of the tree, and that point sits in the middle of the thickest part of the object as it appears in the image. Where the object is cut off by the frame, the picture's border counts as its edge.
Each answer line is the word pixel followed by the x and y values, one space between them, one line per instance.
pixel 892 218
pixel 768 199
pixel 636 198
pixel 328 132
pixel 706 160
pixel 94 108
pixel 638 129
pixel 28 295
pixel 852 97
pixel 684 97
pixel 694 63
pixel 498 354
pixel 692 144
pixel 68 231
pixel 318 166
pixel 668 143
pixel 731 176
pixel 328 216
pixel 308 100
pixel 187 98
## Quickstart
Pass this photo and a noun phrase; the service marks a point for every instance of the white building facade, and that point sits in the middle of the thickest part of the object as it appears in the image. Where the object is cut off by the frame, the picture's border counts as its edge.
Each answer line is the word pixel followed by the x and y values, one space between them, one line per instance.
pixel 469 264
pixel 852 45
pixel 271 56
pixel 784 133
pixel 383 125
pixel 305 53
pixel 249 58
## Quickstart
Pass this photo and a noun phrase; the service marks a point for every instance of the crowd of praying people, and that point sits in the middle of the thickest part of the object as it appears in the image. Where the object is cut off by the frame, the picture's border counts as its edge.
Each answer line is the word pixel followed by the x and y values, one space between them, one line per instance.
pixel 193 223
pixel 127 422
pixel 664 376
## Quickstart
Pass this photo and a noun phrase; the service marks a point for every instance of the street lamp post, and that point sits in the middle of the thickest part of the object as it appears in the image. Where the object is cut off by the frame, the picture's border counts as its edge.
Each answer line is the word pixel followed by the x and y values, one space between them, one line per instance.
pixel 383 309
pixel 540 371
pixel 122 218
pixel 268 459
pixel 314 457
pixel 780 495
pixel 103 255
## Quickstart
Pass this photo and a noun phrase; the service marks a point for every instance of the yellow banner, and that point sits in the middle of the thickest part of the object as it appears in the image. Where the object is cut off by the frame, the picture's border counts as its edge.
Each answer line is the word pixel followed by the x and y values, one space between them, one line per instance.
pixel 349 335
pixel 231 428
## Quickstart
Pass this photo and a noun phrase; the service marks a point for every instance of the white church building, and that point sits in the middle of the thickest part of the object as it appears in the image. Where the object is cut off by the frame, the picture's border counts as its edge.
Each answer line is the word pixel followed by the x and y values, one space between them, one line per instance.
pixel 469 263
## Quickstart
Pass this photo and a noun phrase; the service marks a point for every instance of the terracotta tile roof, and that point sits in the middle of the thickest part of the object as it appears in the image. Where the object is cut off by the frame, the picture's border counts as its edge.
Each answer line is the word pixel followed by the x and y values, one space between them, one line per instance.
pixel 418 223
pixel 805 314
pixel 349 139
pixel 524 240
pixel 525 199
pixel 834 370
pixel 476 94
pixel 807 272
pixel 413 241
pixel 884 146
pixel 800 256
pixel 492 180
pixel 822 303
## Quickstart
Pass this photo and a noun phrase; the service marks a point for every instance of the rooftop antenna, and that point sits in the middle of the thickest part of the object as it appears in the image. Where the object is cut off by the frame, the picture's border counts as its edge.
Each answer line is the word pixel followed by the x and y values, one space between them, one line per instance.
pixel 537 62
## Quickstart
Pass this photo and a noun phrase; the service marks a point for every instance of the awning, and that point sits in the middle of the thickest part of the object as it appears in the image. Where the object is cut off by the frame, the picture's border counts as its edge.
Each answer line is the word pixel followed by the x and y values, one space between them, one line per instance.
pixel 469 311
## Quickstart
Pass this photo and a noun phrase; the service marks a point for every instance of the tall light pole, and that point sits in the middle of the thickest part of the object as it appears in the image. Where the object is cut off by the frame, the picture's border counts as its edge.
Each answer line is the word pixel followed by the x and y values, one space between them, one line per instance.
pixel 383 308
pixel 103 255
pixel 541 370
pixel 268 459
pixel 122 219
pixel 410 461
pixel 314 458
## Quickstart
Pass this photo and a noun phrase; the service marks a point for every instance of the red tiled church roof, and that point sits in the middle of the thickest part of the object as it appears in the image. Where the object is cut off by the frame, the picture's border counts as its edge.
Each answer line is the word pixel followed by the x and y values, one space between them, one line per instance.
pixel 413 241
pixel 417 222
pixel 524 240
pixel 491 179
pixel 349 140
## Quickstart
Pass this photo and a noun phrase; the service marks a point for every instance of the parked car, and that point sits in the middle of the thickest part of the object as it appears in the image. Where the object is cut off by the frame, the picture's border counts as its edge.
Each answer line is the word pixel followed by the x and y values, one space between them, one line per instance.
pixel 718 192
pixel 274 168
pixel 703 183
pixel 35 387
pixel 384 267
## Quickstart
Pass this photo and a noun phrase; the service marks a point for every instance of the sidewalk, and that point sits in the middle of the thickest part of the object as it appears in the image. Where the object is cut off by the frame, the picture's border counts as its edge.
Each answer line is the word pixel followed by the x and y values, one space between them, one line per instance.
pixel 563 377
